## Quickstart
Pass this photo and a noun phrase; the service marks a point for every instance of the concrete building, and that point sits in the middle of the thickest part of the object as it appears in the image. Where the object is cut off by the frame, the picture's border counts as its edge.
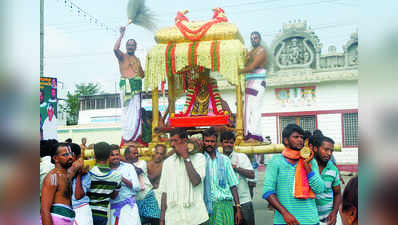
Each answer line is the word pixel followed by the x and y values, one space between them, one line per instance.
pixel 304 86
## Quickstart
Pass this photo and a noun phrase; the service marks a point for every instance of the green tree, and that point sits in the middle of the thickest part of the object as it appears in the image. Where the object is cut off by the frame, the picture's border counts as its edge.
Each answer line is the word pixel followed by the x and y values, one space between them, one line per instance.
pixel 87 89
pixel 73 100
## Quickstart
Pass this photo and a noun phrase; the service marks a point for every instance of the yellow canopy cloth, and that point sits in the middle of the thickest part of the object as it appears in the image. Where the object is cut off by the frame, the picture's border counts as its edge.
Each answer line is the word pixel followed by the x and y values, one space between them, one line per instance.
pixel 230 56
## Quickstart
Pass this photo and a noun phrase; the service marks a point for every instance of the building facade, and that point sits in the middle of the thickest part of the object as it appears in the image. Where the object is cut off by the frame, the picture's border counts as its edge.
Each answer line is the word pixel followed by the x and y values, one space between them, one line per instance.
pixel 304 86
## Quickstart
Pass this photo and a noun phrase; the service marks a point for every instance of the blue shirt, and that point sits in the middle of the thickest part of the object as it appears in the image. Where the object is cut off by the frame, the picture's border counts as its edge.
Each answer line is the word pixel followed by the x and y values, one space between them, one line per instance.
pixel 86 182
pixel 279 180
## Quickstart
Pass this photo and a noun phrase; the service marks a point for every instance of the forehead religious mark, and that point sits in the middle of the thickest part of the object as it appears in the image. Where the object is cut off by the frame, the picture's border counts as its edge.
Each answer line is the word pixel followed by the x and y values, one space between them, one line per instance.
pixel 68 149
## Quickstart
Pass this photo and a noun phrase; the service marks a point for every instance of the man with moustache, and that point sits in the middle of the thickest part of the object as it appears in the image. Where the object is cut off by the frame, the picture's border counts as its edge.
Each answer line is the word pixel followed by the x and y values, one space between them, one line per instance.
pixel 53 96
pixel 243 171
pixel 181 185
pixel 291 180
pixel 255 69
pixel 56 192
pixel 124 209
pixel 327 202
pixel 130 88
pixel 220 184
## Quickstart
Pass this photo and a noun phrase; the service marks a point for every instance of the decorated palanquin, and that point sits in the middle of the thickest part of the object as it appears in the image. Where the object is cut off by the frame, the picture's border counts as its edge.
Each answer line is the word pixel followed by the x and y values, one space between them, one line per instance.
pixel 186 56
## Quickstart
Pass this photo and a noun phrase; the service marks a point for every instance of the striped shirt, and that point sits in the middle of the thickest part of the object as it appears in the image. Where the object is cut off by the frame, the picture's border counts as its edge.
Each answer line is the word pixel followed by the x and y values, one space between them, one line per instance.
pixel 104 181
pixel 220 193
pixel 324 200
pixel 279 180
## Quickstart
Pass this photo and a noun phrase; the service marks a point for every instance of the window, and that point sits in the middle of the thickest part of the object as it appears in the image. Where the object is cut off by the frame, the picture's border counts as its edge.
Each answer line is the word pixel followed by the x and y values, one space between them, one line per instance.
pixel 305 122
pixel 100 103
pixel 350 129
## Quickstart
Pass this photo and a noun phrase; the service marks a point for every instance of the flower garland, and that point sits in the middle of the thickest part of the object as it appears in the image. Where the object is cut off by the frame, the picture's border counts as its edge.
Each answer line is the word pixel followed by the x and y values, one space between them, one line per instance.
pixel 193 98
pixel 216 111
pixel 170 59
pixel 215 55
pixel 192 53
pixel 196 35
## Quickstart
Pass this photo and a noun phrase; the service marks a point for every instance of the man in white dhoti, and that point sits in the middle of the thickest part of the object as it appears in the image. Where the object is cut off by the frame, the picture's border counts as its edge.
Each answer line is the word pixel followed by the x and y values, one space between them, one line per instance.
pixel 124 209
pixel 255 69
pixel 181 184
pixel 130 88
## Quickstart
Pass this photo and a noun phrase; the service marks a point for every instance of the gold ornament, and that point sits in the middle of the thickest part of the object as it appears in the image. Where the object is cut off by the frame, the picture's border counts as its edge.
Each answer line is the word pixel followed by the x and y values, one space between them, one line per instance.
pixel 193 147
pixel 305 152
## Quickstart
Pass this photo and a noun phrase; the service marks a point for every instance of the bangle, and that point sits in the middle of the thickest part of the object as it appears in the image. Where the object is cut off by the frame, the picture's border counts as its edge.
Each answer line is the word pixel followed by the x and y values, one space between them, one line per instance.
pixel 237 205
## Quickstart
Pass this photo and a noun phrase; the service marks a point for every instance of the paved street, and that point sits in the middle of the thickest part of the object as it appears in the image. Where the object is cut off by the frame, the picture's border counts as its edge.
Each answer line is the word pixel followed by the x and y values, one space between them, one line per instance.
pixel 262 214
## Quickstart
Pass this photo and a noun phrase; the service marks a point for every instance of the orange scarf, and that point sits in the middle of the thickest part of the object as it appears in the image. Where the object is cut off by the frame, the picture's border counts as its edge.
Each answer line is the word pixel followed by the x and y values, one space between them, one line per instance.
pixel 302 188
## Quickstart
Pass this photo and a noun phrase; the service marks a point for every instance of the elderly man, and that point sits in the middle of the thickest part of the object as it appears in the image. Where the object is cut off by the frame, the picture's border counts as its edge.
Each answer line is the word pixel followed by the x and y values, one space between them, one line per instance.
pixel 124 209
pixel 130 88
pixel 244 171
pixel 56 192
pixel 181 184
pixel 155 166
pixel 220 184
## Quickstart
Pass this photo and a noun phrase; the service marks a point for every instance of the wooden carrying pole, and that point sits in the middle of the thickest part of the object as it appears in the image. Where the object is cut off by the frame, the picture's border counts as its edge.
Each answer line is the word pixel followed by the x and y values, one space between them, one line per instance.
pixel 155 114
pixel 239 113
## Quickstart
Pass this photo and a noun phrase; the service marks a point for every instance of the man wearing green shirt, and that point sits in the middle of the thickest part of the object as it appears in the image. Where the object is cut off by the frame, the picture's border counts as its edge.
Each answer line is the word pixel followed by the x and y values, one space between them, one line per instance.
pixel 328 201
pixel 294 204
pixel 220 184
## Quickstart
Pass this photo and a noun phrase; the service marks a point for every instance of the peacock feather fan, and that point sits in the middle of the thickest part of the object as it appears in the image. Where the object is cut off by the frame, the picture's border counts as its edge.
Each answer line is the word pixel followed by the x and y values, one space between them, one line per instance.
pixel 140 15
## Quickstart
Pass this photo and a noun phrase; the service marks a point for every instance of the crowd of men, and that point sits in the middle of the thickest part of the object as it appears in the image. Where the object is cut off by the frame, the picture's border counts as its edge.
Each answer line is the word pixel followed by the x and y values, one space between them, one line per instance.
pixel 193 187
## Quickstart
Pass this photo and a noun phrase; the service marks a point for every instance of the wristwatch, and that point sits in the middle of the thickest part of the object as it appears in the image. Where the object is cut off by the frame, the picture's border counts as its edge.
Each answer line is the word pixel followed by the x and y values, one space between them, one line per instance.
pixel 187 160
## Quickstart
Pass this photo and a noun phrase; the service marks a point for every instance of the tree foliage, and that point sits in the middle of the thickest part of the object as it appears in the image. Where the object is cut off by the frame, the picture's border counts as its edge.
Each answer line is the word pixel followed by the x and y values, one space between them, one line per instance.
pixel 73 100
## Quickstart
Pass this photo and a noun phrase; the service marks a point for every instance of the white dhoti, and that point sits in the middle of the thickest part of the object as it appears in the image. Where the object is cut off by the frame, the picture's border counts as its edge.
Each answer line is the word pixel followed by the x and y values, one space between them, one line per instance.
pixel 130 119
pixel 254 95
pixel 83 215
pixel 128 216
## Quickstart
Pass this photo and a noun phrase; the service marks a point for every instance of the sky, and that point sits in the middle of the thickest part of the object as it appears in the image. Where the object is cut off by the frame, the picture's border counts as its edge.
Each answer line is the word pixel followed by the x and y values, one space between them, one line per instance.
pixel 79 51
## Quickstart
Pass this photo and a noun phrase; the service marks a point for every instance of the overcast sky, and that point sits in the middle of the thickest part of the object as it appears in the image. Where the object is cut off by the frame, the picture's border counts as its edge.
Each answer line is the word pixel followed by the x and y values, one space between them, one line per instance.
pixel 77 51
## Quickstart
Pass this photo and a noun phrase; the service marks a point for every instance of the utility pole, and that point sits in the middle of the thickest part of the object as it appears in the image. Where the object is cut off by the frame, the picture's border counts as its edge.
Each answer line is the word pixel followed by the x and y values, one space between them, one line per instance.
pixel 41 36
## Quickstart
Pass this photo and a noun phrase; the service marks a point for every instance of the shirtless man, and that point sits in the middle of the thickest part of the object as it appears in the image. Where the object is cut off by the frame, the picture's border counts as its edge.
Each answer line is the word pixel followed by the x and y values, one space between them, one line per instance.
pixel 155 166
pixel 56 193
pixel 130 88
pixel 255 86
pixel 83 147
